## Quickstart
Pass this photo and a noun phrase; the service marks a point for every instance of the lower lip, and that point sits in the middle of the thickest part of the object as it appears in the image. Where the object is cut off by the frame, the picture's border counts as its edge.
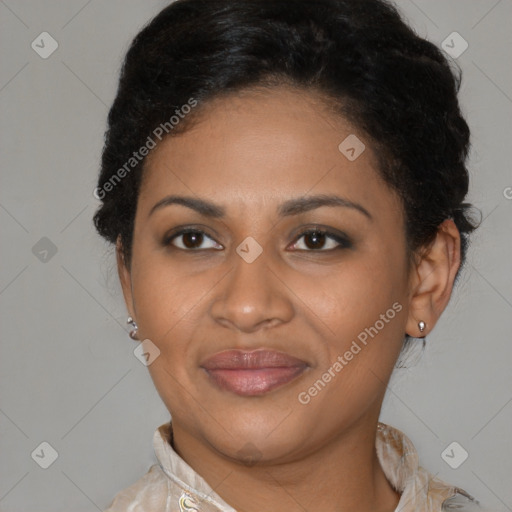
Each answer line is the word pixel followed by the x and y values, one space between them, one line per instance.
pixel 256 381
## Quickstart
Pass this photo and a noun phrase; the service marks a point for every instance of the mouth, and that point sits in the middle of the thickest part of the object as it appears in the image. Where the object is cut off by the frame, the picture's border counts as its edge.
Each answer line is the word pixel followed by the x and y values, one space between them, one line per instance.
pixel 252 373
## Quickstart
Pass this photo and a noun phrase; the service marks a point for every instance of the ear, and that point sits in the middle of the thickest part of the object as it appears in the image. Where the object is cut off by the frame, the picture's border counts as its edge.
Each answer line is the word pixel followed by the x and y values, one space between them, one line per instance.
pixel 432 279
pixel 125 278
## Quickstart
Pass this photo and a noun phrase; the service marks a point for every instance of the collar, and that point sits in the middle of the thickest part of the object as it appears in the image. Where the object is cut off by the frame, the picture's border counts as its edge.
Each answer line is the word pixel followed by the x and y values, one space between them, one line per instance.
pixel 397 455
pixel 194 487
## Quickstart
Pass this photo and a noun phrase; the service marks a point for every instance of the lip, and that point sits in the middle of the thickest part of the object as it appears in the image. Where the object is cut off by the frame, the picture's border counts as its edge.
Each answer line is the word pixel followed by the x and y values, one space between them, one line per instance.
pixel 251 373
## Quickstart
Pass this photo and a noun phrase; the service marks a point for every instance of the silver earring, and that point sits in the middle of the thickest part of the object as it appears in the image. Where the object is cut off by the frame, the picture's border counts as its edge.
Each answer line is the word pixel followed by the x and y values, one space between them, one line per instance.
pixel 421 325
pixel 133 333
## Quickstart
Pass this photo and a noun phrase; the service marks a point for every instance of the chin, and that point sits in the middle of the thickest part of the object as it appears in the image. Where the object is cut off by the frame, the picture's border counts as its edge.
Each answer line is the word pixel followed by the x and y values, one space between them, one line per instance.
pixel 254 436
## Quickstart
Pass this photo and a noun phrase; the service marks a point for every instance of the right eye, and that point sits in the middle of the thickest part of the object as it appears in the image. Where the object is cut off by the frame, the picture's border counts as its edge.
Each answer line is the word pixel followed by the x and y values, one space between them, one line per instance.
pixel 191 240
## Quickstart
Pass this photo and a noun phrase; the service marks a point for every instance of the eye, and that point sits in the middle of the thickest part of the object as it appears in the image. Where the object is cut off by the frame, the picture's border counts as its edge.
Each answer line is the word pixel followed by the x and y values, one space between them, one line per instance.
pixel 315 240
pixel 191 239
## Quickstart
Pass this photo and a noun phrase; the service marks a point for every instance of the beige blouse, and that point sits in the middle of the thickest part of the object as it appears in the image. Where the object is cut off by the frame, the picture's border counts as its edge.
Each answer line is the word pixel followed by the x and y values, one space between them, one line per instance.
pixel 173 486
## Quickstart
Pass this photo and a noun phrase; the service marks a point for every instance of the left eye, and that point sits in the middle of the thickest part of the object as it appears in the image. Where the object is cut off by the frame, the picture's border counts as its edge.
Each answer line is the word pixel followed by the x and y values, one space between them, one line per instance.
pixel 318 237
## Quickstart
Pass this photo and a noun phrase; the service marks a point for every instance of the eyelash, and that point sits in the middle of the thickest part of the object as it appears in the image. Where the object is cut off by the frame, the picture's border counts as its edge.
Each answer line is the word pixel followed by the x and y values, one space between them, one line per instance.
pixel 343 241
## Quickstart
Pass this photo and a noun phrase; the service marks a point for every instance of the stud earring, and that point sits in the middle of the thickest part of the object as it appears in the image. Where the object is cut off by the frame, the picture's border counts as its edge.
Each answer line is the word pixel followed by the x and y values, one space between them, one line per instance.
pixel 133 333
pixel 421 325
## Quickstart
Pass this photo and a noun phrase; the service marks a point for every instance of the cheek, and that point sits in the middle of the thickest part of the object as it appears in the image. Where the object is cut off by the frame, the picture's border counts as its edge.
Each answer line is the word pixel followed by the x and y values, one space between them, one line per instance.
pixel 166 302
pixel 167 306
pixel 367 314
pixel 364 305
pixel 354 295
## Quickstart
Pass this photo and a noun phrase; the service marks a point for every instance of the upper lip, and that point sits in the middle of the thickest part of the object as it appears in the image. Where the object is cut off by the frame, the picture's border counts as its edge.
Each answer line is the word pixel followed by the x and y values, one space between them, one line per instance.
pixel 246 360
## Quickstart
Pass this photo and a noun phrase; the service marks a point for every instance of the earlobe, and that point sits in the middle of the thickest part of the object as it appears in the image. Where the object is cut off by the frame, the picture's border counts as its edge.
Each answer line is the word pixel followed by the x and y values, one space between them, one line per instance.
pixel 433 279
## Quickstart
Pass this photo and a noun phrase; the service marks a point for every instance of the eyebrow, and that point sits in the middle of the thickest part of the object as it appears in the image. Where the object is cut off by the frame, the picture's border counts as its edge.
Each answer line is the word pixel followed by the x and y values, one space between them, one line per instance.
pixel 286 209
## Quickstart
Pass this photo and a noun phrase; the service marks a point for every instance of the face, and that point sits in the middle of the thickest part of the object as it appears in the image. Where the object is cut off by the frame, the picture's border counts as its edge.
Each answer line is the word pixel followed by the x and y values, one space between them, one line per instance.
pixel 278 315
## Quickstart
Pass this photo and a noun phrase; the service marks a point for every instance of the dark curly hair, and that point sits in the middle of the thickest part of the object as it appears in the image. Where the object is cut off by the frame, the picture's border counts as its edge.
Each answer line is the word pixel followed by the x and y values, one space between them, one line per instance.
pixel 396 87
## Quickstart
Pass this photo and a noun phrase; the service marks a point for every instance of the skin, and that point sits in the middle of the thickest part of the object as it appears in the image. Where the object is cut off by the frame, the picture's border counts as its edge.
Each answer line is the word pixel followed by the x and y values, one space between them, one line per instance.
pixel 249 153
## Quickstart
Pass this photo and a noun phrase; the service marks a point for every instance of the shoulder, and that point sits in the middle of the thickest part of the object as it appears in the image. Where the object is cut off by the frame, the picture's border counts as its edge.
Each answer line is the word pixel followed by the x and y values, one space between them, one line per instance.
pixel 148 493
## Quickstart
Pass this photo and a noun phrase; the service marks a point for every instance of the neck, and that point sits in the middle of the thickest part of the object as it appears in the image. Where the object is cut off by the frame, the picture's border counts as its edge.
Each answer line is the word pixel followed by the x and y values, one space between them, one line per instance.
pixel 344 473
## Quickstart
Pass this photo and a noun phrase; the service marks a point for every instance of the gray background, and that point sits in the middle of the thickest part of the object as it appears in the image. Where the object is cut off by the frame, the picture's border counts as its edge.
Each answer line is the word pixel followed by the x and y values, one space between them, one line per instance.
pixel 68 375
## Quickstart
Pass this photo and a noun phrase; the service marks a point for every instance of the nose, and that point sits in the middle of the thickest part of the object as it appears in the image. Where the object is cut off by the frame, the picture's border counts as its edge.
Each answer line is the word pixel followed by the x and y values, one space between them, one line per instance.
pixel 252 296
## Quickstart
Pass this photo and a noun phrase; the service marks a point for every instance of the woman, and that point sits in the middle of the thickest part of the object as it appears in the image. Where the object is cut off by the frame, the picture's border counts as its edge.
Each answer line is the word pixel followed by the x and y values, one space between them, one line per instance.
pixel 284 182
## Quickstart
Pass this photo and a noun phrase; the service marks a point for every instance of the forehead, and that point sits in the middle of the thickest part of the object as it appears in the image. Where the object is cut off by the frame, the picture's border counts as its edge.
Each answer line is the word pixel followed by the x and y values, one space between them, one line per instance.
pixel 260 146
